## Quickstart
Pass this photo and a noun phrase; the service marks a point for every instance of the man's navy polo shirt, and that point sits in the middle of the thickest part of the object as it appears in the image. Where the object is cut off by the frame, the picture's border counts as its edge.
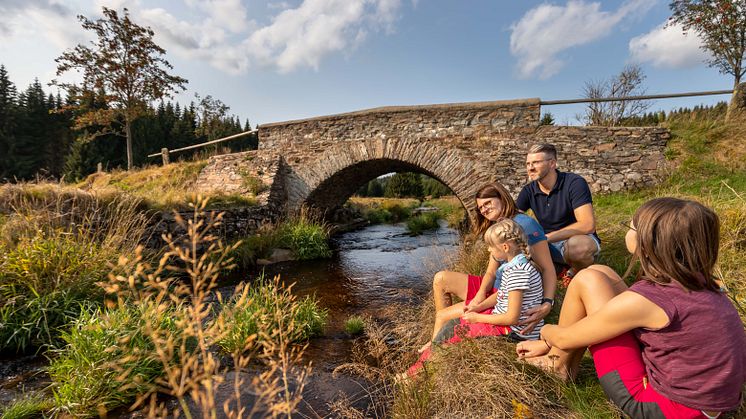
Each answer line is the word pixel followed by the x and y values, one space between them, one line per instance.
pixel 556 210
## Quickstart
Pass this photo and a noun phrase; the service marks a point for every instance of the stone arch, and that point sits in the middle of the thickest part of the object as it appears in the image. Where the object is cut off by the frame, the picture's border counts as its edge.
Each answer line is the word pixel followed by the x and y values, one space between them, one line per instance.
pixel 330 178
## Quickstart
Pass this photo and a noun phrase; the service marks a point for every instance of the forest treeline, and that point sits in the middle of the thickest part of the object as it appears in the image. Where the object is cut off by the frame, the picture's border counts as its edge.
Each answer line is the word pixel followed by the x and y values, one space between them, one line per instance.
pixel 38 136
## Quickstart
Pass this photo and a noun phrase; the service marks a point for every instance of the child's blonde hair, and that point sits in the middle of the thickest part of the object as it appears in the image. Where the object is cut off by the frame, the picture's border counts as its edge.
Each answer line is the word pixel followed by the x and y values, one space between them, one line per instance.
pixel 506 230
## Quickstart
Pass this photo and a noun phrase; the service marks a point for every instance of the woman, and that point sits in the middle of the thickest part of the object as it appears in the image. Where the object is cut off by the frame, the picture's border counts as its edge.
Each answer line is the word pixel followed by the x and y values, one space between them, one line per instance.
pixel 493 203
pixel 672 345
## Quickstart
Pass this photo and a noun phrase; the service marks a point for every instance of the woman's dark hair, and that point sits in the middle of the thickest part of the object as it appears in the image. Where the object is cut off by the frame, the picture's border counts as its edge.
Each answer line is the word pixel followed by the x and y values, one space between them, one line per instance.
pixel 507 205
pixel 677 239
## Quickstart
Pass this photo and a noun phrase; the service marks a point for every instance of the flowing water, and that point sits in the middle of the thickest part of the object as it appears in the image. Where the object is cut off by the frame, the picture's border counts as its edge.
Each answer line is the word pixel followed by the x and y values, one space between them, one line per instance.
pixel 372 269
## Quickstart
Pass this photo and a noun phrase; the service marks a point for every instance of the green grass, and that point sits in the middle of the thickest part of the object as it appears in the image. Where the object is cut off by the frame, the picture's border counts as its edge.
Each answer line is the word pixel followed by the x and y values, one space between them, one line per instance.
pixel 354 325
pixel 252 313
pixel 305 235
pixel 107 361
pixel 52 254
pixel 27 407
pixel 423 222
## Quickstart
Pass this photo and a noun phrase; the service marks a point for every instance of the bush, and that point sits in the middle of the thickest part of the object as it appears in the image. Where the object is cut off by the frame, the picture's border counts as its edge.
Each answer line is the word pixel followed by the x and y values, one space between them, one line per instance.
pixel 252 313
pixel 108 359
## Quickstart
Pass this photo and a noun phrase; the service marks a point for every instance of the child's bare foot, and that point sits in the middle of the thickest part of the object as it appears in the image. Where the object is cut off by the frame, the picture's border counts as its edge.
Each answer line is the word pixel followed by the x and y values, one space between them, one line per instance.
pixel 531 348
pixel 551 364
pixel 425 347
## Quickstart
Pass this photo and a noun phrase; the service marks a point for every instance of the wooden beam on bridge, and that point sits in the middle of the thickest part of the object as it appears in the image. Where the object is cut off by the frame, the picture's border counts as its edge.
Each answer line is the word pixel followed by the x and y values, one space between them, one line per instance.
pixel 644 97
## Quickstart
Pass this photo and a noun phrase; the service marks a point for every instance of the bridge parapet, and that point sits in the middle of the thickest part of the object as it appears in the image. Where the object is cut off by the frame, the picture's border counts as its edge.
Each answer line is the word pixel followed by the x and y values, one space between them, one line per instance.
pixel 416 122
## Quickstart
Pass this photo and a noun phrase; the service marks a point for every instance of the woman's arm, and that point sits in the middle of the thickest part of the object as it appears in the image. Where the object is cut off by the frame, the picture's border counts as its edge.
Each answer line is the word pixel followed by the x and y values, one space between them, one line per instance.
pixel 540 254
pixel 515 300
pixel 626 311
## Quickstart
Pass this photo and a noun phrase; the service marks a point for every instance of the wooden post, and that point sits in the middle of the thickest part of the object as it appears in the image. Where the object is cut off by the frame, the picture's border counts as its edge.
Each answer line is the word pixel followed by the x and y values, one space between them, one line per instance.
pixel 164 156
pixel 99 167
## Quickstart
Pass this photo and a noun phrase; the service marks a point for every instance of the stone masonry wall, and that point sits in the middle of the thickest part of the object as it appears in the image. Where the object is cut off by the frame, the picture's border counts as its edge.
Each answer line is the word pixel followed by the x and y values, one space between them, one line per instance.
pixel 429 121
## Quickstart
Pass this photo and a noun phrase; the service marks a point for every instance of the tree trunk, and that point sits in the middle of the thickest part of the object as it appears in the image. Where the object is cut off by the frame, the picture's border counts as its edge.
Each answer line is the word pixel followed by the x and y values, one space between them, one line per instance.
pixel 128 132
pixel 737 102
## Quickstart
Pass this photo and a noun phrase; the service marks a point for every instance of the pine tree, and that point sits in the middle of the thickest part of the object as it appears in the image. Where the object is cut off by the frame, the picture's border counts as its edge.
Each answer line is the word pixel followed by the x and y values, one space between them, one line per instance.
pixel 8 113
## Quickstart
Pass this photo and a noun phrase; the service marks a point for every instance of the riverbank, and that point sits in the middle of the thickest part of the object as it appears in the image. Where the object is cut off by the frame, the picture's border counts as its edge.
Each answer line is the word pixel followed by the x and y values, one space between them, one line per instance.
pixel 706 162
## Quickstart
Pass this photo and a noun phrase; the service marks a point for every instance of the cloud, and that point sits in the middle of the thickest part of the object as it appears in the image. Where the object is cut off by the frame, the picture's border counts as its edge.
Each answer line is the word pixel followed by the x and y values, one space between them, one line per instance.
pixel 18 16
pixel 296 37
pixel 668 47
pixel 545 31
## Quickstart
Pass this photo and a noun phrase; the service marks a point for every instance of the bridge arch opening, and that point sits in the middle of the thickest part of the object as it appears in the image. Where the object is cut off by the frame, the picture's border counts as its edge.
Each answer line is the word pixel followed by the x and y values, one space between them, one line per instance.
pixel 334 191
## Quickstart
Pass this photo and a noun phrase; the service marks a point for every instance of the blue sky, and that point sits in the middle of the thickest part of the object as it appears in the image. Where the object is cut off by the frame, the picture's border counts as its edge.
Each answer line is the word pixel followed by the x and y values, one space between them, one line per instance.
pixel 281 60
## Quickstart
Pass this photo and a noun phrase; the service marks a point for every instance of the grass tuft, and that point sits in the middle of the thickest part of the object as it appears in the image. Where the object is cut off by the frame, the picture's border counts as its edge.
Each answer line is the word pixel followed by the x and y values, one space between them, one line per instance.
pixel 355 325
pixel 30 406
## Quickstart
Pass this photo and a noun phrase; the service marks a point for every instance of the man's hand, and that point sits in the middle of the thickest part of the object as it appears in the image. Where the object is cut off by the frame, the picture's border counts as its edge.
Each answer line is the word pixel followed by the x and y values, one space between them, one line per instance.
pixel 535 315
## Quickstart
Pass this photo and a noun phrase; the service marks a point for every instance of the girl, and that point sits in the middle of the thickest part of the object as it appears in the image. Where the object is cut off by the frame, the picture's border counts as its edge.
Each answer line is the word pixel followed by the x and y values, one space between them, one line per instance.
pixel 500 313
pixel 494 202
pixel 672 345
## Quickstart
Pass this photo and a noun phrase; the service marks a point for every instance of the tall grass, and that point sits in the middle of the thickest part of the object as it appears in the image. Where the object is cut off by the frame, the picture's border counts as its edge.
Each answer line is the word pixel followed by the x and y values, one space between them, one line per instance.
pixel 163 188
pixel 27 407
pixel 160 335
pixel 305 233
pixel 56 244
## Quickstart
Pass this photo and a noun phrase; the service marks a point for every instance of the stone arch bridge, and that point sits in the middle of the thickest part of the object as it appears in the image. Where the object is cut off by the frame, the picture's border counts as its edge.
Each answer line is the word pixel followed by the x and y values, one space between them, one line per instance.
pixel 322 161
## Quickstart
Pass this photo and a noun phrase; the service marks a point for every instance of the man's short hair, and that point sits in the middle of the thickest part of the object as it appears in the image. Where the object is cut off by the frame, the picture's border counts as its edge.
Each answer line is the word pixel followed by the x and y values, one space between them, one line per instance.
pixel 548 149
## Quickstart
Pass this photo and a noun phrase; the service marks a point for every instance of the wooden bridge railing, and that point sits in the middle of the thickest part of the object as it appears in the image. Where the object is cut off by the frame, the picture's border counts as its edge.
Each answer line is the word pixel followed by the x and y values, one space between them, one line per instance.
pixel 165 153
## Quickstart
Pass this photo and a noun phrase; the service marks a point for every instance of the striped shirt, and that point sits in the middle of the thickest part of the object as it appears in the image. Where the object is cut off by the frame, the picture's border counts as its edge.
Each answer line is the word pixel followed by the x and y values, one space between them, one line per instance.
pixel 521 275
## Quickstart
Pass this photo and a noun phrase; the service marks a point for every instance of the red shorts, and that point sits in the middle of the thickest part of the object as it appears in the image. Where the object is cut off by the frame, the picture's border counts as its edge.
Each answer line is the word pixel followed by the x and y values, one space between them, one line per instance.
pixel 622 374
pixel 464 329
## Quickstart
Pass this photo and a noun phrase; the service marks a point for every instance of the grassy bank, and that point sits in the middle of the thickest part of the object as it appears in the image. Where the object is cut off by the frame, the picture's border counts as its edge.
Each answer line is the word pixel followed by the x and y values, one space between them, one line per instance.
pixel 162 188
pixel 163 333
pixel 707 162
pixel 396 210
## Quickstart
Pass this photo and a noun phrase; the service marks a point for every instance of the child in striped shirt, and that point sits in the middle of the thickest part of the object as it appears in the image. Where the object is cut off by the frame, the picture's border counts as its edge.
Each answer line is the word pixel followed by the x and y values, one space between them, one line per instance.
pixel 519 287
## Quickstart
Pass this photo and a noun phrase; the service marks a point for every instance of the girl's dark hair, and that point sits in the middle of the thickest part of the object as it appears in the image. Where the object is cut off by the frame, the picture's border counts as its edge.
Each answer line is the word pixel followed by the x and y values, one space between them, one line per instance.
pixel 677 239
pixel 507 205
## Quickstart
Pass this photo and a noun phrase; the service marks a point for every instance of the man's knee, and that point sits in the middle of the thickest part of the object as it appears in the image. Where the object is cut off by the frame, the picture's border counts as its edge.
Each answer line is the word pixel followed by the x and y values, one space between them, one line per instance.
pixel 580 248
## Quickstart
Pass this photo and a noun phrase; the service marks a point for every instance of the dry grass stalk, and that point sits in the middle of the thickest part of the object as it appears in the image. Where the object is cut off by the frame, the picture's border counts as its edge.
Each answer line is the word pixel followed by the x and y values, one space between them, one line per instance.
pixel 192 371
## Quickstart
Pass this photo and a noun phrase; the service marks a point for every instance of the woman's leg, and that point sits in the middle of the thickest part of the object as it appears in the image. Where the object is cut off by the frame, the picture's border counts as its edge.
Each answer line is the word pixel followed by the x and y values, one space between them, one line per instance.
pixel 588 292
pixel 447 284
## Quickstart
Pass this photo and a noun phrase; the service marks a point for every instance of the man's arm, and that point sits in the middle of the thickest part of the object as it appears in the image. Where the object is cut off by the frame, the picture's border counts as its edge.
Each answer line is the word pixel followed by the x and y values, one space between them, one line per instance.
pixel 522 202
pixel 585 224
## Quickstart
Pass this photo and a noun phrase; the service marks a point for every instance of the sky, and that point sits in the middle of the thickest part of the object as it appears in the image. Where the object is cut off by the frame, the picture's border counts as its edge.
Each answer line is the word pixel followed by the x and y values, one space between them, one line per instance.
pixel 283 60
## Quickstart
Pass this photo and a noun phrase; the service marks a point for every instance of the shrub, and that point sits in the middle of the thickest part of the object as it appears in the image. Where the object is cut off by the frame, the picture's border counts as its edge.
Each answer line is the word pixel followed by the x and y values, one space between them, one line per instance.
pixel 355 325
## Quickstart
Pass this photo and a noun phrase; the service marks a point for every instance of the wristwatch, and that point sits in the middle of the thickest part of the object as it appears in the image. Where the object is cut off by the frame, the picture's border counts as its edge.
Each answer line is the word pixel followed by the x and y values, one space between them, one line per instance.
pixel 548 300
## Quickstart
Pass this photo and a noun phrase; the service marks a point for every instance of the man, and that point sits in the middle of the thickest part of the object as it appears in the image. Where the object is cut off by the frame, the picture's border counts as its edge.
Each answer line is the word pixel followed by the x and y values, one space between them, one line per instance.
pixel 562 203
